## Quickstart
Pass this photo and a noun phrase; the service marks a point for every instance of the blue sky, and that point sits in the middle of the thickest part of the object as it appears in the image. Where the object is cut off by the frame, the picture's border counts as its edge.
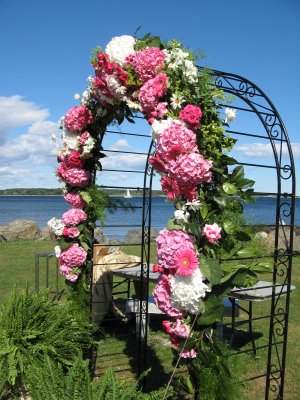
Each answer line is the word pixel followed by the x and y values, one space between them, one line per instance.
pixel 45 50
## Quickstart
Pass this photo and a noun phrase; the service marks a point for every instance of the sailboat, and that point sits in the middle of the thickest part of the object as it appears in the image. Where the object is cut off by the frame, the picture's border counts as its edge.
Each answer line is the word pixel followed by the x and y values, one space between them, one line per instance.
pixel 127 195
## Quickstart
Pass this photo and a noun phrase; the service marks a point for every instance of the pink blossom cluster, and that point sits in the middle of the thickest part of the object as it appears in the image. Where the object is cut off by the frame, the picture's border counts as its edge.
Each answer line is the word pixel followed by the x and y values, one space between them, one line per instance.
pixel 168 243
pixel 77 118
pixel 147 63
pixel 70 258
pixel 191 115
pixel 75 177
pixel 73 217
pixel 74 199
pixel 151 92
pixel 161 294
pixel 179 332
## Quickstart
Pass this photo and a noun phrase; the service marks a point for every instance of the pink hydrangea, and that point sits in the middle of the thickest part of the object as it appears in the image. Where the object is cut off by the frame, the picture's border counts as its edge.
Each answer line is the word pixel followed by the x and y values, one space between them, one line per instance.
pixel 75 200
pixel 77 118
pixel 186 262
pixel 151 91
pixel 212 233
pixel 190 169
pixel 73 256
pixel 73 159
pixel 161 294
pixel 191 115
pixel 73 217
pixel 168 243
pixel 71 277
pixel 147 63
pixel 174 140
pixel 170 187
pixel 76 177
pixel 70 232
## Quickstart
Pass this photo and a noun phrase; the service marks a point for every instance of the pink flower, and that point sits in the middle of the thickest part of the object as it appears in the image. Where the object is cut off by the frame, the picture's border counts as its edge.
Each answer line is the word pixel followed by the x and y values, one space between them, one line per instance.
pixel 161 109
pixel 147 63
pixel 70 232
pixel 151 91
pixel 157 163
pixel 73 217
pixel 191 115
pixel 77 118
pixel 174 140
pixel 188 353
pixel 71 277
pixel 168 243
pixel 181 329
pixel 170 187
pixel 73 256
pixel 75 200
pixel 166 324
pixel 186 262
pixel 188 191
pixel 212 233
pixel 161 294
pixel 73 160
pixel 190 169
pixel 76 177
pixel 84 137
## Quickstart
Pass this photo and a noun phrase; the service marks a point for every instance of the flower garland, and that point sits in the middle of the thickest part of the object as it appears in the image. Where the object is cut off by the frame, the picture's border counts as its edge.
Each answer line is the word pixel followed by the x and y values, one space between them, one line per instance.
pixel 183 108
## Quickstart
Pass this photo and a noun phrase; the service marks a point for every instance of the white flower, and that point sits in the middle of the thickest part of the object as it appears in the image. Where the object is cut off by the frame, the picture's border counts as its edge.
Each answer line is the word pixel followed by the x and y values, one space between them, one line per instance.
pixel 90 79
pixel 176 101
pixel 88 146
pixel 133 104
pixel 101 111
pixel 57 251
pixel 70 139
pixel 194 205
pixel 181 215
pixel 190 71
pixel 120 47
pixel 230 115
pixel 56 226
pixel 186 292
pixel 116 90
pixel 76 96
pixel 86 97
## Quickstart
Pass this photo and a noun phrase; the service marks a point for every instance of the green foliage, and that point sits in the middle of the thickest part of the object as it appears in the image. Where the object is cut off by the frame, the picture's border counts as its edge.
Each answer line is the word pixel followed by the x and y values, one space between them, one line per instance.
pixel 31 327
pixel 51 383
pixel 209 377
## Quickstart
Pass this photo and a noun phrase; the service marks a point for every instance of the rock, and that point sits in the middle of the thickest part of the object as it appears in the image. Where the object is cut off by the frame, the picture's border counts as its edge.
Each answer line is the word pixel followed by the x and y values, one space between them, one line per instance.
pixel 47 234
pixel 20 229
pixel 134 236
pixel 283 242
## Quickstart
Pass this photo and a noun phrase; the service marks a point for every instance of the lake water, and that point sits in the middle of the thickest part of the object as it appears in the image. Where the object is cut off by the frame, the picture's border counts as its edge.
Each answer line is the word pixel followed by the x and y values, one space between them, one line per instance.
pixel 41 208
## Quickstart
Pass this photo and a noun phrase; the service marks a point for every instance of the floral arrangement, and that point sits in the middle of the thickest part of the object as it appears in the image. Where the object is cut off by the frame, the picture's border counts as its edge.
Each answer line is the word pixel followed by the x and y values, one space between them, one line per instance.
pixel 183 108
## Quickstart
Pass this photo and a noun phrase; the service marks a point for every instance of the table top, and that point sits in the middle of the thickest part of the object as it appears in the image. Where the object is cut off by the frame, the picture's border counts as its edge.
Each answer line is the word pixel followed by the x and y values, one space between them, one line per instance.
pixel 260 292
pixel 134 273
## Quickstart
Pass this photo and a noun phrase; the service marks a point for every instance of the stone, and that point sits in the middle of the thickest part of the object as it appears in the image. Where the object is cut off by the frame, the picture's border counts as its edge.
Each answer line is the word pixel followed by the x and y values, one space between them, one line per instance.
pixel 20 229
pixel 134 236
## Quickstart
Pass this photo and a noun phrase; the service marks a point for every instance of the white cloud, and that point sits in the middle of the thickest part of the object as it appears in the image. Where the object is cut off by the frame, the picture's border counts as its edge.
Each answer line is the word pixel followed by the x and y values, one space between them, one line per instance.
pixel 120 144
pixel 265 149
pixel 15 112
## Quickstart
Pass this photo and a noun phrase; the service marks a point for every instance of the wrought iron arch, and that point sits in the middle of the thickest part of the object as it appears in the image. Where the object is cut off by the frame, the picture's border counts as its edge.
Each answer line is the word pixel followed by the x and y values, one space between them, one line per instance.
pixel 259 103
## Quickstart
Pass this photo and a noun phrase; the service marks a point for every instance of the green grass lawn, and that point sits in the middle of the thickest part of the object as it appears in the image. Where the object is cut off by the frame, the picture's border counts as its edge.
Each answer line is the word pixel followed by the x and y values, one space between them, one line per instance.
pixel 18 267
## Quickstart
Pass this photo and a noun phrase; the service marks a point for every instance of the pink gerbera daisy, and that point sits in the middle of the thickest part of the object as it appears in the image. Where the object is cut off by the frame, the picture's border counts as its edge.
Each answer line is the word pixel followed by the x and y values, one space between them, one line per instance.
pixel 186 262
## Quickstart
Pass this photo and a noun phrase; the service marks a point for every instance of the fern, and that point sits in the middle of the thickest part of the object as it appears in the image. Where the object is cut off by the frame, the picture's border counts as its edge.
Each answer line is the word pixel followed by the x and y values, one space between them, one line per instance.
pixel 31 327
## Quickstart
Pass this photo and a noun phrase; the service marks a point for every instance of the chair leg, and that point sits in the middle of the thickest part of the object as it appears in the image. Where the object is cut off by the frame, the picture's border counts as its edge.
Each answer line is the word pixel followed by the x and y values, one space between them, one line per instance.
pixel 251 328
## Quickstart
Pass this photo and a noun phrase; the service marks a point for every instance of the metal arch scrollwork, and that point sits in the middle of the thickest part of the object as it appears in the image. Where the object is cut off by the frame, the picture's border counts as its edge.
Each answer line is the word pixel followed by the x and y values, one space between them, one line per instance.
pixel 274 127
pixel 287 170
pixel 282 263
pixel 279 322
pixel 275 378
pixel 246 89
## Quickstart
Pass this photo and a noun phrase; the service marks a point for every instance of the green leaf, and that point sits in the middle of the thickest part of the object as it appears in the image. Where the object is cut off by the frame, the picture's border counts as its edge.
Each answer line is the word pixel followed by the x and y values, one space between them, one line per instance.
pixel 204 210
pixel 229 188
pixel 237 174
pixel 63 244
pixel 86 197
pixel 155 41
pixel 173 225
pixel 229 227
pixel 242 236
pixel 85 246
pixel 211 269
pixel 214 310
pixel 247 252
pixel 220 200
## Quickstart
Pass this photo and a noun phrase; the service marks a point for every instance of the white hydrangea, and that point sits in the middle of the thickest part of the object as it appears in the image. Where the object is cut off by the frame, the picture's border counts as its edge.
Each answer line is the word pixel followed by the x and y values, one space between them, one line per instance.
pixel 120 47
pixel 181 216
pixel 118 91
pixel 186 292
pixel 57 251
pixel 230 115
pixel 159 126
pixel 175 58
pixel 56 226
pixel 190 71
pixel 69 139
pixel 88 146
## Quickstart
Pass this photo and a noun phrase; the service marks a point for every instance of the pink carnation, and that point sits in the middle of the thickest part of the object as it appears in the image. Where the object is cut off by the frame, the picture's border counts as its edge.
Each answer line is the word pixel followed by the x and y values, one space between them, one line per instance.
pixel 147 63
pixel 76 177
pixel 190 169
pixel 161 294
pixel 174 140
pixel 77 118
pixel 212 233
pixel 157 163
pixel 75 200
pixel 73 256
pixel 168 243
pixel 186 262
pixel 188 353
pixel 170 187
pixel 73 217
pixel 151 91
pixel 70 232
pixel 191 115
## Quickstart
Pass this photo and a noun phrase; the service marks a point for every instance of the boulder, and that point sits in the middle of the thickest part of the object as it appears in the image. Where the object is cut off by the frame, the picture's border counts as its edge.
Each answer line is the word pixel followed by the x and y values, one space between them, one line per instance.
pixel 20 229
pixel 283 241
pixel 134 236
